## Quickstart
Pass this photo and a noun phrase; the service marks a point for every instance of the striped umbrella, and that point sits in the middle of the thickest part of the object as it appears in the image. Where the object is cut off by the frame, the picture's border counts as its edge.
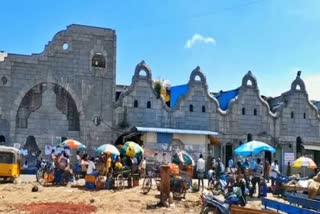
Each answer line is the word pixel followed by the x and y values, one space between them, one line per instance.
pixel 131 149
pixel 304 162
pixel 73 144
pixel 108 149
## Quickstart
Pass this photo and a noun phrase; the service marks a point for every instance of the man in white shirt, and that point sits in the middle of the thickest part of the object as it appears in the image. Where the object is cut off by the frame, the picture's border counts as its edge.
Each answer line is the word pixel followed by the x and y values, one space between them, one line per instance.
pixel 274 171
pixel 200 171
pixel 91 167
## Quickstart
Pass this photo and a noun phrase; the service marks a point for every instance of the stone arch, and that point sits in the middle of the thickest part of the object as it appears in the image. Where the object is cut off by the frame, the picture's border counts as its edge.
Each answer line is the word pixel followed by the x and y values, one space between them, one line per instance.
pixel 32 101
pixel 28 87
pixel 298 84
pixel 142 66
pixel 197 74
pixel 249 81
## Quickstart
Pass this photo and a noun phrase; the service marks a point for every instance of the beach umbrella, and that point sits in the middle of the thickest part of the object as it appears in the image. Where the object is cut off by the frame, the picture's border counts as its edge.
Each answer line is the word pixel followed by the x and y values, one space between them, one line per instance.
pixel 253 148
pixel 108 149
pixel 73 144
pixel 131 149
pixel 304 162
pixel 183 157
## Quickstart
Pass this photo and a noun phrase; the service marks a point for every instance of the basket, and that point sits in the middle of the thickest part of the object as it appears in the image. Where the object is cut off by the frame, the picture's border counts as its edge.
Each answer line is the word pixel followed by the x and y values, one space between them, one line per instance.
pixel 100 185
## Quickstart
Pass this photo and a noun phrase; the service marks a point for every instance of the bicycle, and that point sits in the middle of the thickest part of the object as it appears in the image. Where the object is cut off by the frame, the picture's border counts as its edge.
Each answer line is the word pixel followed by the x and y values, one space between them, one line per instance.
pixel 151 178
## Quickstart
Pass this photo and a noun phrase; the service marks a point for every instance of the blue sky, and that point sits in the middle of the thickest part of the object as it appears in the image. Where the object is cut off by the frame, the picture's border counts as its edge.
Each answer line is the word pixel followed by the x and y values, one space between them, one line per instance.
pixel 273 38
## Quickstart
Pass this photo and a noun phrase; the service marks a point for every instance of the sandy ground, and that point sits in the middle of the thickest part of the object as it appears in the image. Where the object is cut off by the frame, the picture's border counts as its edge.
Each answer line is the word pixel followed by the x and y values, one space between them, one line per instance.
pixel 107 201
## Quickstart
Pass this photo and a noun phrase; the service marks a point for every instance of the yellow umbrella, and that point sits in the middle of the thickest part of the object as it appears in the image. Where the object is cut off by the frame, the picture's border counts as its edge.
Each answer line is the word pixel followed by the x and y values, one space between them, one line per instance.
pixel 304 162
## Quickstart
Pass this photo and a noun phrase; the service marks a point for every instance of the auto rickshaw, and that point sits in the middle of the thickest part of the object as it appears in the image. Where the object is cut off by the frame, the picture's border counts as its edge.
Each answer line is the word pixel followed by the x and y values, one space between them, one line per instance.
pixel 10 163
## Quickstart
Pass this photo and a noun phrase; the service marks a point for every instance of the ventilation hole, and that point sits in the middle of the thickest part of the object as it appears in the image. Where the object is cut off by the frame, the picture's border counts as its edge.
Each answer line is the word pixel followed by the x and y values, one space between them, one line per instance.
pixel 148 104
pixel 243 111
pixel 298 88
pixel 197 78
pixel 292 114
pixel 135 104
pixel 203 109
pixel 304 115
pixel 255 112
pixel 98 60
pixel 143 73
pixel 249 83
pixel 191 108
pixel 4 80
pixel 65 46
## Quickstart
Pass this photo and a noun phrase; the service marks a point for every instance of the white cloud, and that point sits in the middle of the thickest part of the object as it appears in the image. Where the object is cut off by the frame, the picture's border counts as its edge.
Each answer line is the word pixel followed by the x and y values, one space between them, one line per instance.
pixel 198 38
pixel 312 83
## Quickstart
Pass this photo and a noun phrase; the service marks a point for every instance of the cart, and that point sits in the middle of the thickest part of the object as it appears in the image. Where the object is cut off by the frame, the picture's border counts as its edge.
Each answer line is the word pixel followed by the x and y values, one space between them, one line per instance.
pixel 120 177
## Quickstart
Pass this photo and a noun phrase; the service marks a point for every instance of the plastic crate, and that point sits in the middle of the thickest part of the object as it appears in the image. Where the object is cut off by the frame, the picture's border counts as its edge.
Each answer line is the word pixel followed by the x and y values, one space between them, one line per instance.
pixel 90 178
pixel 90 185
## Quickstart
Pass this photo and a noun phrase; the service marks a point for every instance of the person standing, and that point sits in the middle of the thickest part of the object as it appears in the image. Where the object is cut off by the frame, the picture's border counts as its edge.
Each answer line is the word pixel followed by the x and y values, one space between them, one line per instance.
pixel 108 164
pixel 91 167
pixel 274 171
pixel 220 169
pixel 230 164
pixel 200 171
pixel 143 166
pixel 289 169
pixel 257 172
pixel 267 170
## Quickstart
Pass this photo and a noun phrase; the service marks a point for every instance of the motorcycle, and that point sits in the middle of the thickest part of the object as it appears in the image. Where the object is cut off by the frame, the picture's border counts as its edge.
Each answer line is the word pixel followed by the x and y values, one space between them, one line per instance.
pixel 218 186
pixel 212 204
pixel 44 167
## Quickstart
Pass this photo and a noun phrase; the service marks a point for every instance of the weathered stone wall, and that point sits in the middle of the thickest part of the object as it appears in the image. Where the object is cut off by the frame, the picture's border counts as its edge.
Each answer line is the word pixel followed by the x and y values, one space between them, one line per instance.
pixel 65 62
pixel 132 108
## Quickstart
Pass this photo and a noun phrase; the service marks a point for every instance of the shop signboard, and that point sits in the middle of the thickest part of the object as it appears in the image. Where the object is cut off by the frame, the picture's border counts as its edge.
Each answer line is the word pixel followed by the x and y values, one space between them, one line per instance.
pixel 288 157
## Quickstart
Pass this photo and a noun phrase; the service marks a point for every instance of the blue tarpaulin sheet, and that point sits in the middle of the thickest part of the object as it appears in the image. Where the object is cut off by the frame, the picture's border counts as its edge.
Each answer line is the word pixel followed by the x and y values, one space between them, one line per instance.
pixel 317 104
pixel 176 92
pixel 225 97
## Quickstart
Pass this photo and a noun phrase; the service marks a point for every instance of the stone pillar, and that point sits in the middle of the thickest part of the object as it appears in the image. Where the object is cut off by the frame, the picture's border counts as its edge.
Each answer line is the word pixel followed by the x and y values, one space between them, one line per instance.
pixel 165 185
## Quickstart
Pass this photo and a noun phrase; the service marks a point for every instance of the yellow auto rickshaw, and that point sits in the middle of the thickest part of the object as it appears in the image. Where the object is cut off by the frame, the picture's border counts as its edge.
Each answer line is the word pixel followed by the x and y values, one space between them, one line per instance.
pixel 10 163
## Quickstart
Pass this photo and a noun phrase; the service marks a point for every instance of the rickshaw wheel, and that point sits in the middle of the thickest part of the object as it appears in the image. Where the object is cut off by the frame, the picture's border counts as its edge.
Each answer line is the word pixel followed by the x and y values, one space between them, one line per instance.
pixel 146 186
pixel 120 182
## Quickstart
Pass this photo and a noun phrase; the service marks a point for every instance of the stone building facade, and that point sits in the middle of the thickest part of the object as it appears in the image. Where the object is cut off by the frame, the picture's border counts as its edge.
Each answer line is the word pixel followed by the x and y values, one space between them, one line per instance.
pixel 63 91
pixel 69 91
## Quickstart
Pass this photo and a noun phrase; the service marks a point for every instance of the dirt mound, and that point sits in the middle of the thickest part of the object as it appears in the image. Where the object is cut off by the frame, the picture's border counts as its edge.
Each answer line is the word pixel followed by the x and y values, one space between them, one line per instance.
pixel 57 207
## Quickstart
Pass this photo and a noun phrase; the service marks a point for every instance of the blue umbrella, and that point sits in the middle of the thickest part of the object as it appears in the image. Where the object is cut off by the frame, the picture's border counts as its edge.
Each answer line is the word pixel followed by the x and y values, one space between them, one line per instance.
pixel 253 148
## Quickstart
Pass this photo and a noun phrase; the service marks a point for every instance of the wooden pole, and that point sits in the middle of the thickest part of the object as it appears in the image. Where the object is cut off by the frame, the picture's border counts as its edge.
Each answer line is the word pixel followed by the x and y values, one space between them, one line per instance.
pixel 165 185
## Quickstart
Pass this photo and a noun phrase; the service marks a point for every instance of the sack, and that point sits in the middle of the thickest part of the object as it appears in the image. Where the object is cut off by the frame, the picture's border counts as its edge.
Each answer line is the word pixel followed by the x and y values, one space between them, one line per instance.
pixel 313 189
pixel 317 177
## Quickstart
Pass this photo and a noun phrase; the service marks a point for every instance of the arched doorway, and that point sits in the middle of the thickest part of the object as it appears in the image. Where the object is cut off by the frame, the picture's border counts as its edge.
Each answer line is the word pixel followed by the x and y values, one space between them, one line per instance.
pixel 229 153
pixel 299 146
pixel 33 151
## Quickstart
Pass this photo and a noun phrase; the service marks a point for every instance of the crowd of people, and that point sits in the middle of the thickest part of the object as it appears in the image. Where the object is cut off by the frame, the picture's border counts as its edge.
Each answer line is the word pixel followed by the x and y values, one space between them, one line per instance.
pixel 103 164
pixel 253 172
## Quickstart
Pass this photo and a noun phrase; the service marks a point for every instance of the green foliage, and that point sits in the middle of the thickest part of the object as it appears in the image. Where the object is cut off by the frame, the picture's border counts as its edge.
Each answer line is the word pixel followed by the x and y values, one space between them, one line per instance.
pixel 157 88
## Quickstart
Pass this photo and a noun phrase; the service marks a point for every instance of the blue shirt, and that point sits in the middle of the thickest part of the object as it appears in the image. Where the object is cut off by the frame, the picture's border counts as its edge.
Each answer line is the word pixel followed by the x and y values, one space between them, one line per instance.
pixel 230 163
